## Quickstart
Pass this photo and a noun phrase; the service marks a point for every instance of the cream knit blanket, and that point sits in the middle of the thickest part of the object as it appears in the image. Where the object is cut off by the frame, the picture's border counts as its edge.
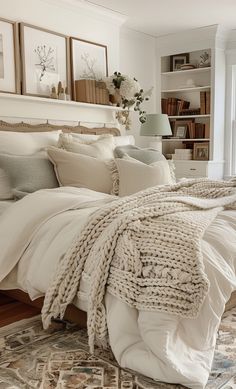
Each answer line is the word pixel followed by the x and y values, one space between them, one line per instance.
pixel 146 250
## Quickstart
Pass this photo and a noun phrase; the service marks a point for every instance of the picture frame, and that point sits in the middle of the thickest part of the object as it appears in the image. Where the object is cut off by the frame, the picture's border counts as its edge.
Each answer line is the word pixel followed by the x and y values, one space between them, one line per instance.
pixel 181 128
pixel 88 61
pixel 45 60
pixel 201 151
pixel 9 57
pixel 177 60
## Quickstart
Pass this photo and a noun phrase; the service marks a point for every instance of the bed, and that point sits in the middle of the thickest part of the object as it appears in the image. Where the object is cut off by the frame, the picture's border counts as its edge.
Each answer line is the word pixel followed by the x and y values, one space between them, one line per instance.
pixel 131 330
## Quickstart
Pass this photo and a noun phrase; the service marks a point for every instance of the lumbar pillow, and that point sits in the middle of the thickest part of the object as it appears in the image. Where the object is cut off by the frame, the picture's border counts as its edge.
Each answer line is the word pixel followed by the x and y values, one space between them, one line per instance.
pixel 90 138
pixel 135 176
pixel 26 143
pixel 82 171
pixel 27 174
pixel 101 148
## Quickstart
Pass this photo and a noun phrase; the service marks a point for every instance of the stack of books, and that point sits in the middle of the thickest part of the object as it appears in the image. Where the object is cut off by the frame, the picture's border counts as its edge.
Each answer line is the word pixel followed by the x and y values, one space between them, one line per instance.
pixel 91 91
pixel 182 154
pixel 199 130
pixel 173 106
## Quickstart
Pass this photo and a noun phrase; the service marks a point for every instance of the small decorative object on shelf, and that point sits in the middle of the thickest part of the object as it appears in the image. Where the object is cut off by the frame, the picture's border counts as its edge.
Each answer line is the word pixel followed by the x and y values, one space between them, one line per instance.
pixel 62 95
pixel 67 94
pixel 126 92
pixel 54 93
pixel 205 61
pixel 59 86
pixel 187 66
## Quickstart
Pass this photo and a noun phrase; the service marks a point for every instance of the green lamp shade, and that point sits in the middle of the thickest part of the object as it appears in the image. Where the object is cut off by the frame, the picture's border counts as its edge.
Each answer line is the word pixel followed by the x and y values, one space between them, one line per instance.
pixel 156 125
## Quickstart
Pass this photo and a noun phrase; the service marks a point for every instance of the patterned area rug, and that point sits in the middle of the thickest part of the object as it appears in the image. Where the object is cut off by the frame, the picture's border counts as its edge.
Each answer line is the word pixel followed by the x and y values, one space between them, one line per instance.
pixel 33 358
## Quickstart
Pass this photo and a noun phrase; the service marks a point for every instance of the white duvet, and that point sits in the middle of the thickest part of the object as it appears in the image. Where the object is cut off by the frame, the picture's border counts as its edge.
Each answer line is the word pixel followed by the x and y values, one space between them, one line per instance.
pixel 35 233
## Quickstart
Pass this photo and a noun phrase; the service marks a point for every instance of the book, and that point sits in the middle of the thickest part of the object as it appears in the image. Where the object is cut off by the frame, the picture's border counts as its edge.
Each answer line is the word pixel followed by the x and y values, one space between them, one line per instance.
pixel 202 103
pixel 173 106
pixel 199 130
pixel 164 103
pixel 82 91
pixel 208 102
pixel 207 130
pixel 191 130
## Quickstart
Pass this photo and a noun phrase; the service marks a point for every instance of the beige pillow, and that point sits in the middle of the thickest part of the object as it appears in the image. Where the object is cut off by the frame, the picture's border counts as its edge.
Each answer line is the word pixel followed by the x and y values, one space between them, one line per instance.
pixel 5 186
pixel 82 171
pixel 101 148
pixel 135 176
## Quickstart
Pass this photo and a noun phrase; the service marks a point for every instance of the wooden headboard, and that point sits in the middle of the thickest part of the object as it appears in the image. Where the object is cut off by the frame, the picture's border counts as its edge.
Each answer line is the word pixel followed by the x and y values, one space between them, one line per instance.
pixel 25 127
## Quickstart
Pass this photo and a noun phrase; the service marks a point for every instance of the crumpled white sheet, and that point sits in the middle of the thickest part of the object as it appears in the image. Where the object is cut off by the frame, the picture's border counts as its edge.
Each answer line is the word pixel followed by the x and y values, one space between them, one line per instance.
pixel 162 346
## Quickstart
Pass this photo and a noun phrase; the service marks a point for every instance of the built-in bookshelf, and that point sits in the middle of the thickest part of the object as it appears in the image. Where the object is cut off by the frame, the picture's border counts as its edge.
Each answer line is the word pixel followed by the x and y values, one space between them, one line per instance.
pixel 186 98
pixel 191 69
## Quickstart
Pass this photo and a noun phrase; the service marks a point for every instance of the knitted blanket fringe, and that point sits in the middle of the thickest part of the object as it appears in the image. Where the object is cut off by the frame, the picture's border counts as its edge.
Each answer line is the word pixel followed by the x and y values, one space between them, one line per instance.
pixel 144 249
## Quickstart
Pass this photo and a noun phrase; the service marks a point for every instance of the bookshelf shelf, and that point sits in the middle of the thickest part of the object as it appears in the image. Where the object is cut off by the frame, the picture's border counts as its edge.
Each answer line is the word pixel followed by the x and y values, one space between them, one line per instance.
pixel 186 140
pixel 190 116
pixel 197 88
pixel 179 72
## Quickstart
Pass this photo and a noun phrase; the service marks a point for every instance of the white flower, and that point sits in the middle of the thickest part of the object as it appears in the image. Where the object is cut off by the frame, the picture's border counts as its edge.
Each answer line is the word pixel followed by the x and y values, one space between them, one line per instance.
pixel 129 87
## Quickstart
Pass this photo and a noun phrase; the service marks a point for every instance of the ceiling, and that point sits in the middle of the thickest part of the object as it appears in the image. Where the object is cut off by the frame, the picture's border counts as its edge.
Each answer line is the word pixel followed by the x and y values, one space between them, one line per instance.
pixel 161 17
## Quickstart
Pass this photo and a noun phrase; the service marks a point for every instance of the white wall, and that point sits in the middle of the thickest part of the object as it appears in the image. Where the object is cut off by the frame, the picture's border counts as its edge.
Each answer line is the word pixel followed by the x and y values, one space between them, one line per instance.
pixel 138 59
pixel 130 52
pixel 67 19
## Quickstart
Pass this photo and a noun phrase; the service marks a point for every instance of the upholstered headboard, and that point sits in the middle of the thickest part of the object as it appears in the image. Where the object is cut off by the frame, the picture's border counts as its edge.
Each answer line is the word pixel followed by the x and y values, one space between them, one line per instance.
pixel 25 127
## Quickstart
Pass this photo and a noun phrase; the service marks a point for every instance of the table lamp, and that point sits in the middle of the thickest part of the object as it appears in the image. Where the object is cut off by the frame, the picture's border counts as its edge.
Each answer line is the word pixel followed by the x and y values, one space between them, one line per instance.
pixel 156 125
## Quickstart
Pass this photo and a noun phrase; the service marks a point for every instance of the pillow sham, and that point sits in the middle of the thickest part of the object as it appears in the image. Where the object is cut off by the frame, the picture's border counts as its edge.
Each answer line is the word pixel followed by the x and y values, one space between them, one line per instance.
pixel 101 148
pixel 143 155
pixel 82 171
pixel 28 173
pixel 147 156
pixel 135 176
pixel 22 143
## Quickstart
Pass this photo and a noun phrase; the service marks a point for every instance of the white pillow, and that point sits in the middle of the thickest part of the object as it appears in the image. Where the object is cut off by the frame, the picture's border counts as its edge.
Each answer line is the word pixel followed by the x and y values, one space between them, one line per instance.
pixel 26 143
pixel 135 176
pixel 122 140
pixel 82 171
pixel 101 148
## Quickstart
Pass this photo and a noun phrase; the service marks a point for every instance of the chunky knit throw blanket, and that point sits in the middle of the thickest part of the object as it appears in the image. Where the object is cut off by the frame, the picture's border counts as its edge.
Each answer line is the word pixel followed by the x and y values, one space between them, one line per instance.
pixel 146 250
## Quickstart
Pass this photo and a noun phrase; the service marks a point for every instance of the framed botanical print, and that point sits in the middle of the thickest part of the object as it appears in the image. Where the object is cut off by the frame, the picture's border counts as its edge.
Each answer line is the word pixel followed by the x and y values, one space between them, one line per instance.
pixel 45 60
pixel 88 60
pixel 9 66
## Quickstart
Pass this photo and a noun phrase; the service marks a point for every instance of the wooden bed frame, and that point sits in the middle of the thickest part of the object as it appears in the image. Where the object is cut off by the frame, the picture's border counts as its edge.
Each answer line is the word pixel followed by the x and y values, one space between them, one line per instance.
pixel 72 313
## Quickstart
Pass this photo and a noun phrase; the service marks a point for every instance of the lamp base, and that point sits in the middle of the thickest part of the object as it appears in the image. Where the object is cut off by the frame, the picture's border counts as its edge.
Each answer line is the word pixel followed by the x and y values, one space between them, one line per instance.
pixel 157 144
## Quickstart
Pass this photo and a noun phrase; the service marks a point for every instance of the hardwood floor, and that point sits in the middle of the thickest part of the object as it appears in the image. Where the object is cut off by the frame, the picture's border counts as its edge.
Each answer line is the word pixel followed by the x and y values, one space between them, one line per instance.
pixel 12 310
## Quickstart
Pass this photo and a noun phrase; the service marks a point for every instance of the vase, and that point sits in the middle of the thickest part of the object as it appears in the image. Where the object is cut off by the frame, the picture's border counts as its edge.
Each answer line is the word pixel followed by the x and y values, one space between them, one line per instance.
pixel 116 99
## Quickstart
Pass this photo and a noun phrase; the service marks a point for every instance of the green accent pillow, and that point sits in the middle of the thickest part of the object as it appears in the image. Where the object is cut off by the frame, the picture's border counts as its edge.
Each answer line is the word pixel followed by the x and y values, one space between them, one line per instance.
pixel 146 156
pixel 28 173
